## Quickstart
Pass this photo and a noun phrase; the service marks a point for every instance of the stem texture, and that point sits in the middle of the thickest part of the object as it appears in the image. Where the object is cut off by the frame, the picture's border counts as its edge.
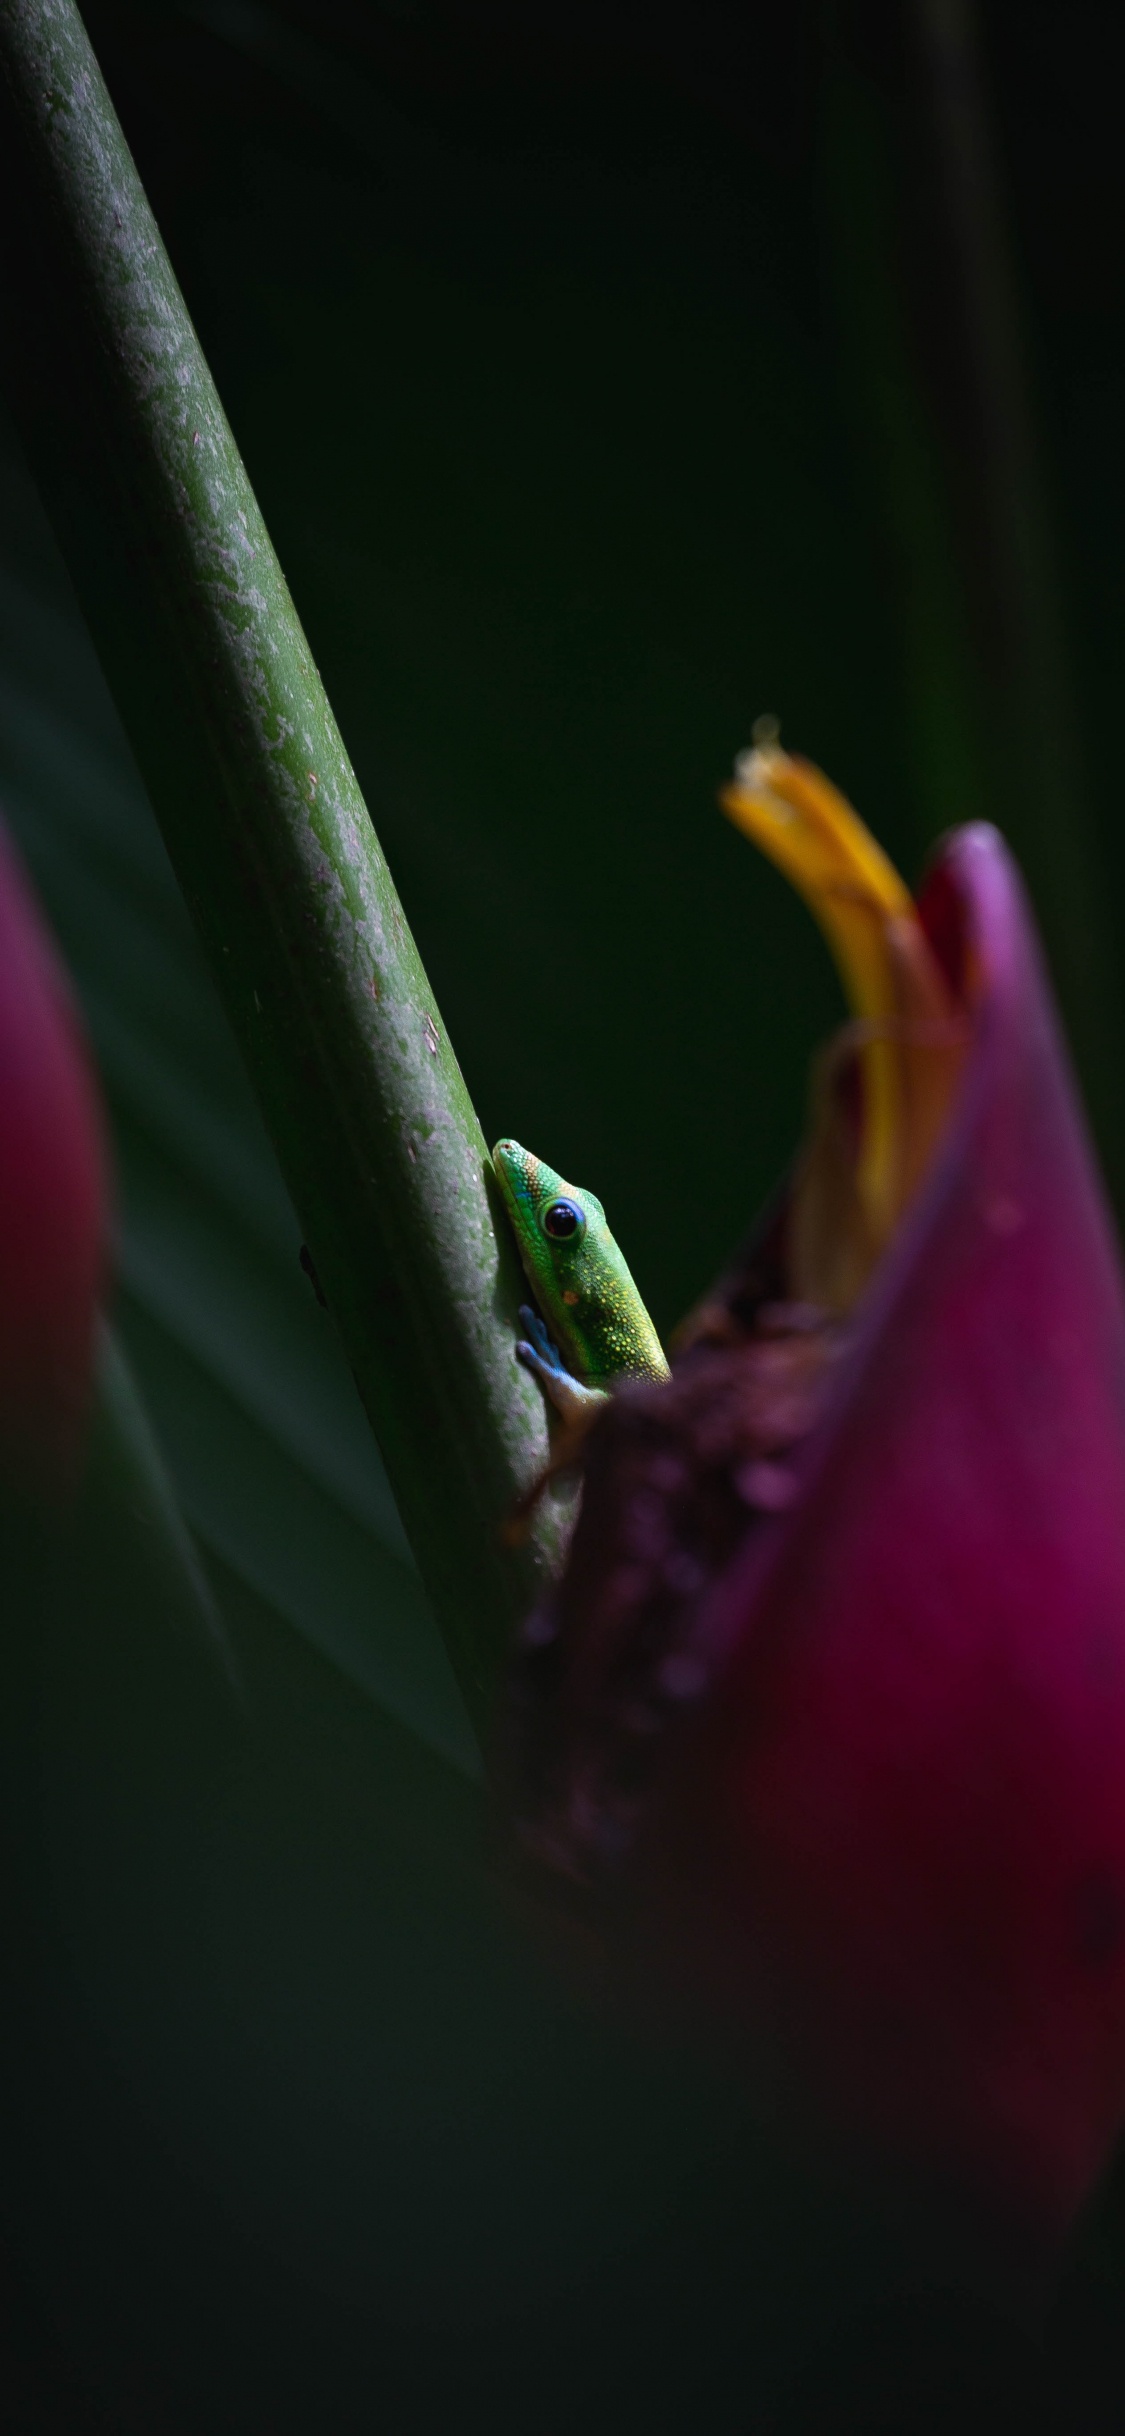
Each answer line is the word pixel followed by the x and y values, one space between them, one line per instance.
pixel 263 819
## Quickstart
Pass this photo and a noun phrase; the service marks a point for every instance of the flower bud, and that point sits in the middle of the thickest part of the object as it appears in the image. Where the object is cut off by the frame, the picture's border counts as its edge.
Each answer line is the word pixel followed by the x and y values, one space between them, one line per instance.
pixel 828 1712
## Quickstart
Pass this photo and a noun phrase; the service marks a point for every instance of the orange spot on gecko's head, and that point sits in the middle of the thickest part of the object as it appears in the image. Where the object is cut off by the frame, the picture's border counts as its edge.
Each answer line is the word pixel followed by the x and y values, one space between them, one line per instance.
pixel 569 1295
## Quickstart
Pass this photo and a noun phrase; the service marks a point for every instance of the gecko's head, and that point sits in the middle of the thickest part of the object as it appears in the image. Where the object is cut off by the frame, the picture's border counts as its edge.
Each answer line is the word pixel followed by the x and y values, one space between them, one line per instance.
pixel 572 1263
pixel 555 1223
pixel 576 1271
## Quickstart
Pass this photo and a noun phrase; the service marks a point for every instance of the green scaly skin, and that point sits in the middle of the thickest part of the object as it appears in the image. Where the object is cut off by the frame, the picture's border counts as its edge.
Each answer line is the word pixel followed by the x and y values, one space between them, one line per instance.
pixel 582 1286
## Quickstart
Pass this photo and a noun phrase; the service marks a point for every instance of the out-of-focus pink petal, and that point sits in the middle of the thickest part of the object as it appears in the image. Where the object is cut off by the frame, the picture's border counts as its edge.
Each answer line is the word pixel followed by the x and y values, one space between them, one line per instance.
pixel 889 1832
pixel 52 1200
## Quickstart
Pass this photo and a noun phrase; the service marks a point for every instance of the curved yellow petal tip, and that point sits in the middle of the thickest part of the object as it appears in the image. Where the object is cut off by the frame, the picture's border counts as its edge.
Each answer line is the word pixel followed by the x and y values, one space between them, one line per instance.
pixel 795 814
pixel 890 976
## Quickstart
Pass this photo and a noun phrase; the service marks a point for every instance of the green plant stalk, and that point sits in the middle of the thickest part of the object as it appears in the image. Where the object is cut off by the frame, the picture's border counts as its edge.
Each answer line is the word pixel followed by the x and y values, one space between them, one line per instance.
pixel 262 816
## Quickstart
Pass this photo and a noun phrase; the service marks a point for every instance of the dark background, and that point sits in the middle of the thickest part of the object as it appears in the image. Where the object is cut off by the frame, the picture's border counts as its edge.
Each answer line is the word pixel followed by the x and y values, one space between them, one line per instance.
pixel 606 380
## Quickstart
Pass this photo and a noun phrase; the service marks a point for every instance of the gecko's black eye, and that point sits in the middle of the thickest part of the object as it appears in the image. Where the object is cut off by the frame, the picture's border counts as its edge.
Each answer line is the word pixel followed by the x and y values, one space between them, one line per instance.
pixel 563 1221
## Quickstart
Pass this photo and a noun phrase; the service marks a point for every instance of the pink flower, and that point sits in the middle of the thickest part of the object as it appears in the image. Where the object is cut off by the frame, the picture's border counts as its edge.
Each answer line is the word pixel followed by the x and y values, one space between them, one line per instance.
pixel 829 1710
pixel 52 1202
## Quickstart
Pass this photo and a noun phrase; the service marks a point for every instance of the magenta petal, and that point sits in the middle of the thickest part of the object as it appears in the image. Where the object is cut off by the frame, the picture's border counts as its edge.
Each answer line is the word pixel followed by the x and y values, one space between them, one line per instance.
pixel 899 1822
pixel 52 1200
pixel 831 1710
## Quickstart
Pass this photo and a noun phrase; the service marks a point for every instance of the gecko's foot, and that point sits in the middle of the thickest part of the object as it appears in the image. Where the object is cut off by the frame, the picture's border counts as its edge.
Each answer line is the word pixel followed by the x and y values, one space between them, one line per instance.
pixel 538 1343
pixel 539 1355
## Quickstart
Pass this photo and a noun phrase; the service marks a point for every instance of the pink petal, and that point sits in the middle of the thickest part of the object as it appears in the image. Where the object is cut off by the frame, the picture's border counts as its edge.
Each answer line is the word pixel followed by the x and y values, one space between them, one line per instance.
pixel 909 1794
pixel 52 1199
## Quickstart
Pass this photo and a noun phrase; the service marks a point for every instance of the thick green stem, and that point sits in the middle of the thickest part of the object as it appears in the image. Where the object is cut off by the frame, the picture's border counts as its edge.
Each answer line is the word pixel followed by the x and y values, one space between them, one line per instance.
pixel 264 821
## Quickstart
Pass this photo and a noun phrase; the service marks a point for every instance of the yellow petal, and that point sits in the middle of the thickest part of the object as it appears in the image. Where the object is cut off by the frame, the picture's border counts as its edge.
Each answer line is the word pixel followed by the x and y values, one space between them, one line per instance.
pixel 908 1033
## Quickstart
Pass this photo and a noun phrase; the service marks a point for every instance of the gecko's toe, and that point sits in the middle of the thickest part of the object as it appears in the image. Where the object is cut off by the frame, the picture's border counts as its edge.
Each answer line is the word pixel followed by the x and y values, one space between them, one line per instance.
pixel 537 1338
pixel 541 1363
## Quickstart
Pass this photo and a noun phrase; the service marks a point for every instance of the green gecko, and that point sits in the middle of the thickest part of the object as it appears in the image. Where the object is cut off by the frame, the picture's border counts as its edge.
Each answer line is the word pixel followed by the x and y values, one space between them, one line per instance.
pixel 582 1286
